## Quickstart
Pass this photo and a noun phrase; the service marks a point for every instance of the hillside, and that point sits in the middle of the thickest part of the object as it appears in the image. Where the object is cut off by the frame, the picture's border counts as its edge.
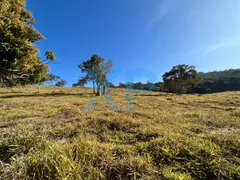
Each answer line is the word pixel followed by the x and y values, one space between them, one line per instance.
pixel 227 74
pixel 219 81
pixel 167 136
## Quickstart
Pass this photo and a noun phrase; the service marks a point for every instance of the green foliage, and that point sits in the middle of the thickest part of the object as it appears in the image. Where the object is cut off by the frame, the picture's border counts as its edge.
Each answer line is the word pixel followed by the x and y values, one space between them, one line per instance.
pixel 50 55
pixel 39 71
pixel 219 81
pixel 51 78
pixel 181 78
pixel 18 60
pixel 122 85
pixel 17 52
pixel 96 70
pixel 210 82
pixel 81 82
pixel 62 82
pixel 110 85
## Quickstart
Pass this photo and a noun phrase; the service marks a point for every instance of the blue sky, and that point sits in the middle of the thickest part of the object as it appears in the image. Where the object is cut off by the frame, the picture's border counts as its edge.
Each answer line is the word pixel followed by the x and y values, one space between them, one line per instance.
pixel 144 38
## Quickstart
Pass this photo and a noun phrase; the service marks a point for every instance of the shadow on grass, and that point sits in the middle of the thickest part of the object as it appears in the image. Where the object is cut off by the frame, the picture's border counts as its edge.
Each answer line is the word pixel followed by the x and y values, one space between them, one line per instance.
pixel 6 153
pixel 12 92
pixel 153 95
pixel 49 95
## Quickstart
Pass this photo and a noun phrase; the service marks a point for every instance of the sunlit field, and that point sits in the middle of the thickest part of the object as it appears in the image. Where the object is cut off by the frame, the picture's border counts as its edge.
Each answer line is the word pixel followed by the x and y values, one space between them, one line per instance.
pixel 50 135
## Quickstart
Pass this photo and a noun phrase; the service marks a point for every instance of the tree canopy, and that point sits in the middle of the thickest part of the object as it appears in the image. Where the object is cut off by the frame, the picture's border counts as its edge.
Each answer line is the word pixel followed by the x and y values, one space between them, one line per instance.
pixel 209 82
pixel 181 78
pixel 219 81
pixel 61 83
pixel 18 54
pixel 96 70
pixel 39 71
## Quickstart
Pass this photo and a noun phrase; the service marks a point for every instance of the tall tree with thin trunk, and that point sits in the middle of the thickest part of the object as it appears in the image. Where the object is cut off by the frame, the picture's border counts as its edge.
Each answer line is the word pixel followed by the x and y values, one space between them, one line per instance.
pixel 96 70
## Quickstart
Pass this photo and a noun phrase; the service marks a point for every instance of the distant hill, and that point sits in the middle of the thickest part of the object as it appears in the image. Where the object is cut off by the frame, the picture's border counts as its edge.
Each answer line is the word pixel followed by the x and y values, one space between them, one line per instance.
pixel 226 74
pixel 215 81
pixel 219 81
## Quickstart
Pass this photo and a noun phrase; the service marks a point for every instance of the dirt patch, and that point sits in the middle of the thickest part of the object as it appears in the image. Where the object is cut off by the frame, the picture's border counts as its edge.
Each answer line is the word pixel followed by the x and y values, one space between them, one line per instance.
pixel 224 130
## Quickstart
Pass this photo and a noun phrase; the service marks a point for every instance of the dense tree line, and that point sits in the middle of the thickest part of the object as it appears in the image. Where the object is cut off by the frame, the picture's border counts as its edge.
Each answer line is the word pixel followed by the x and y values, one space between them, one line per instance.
pixel 218 81
pixel 185 79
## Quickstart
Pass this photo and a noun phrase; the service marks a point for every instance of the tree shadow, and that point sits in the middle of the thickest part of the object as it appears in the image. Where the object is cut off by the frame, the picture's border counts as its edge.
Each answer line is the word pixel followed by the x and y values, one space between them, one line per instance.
pixel 49 95
pixel 11 92
pixel 154 95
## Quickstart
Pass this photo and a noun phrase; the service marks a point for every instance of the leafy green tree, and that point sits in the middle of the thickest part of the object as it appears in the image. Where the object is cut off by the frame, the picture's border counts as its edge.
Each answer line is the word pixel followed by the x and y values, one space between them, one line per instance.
pixel 96 70
pixel 111 85
pixel 219 81
pixel 17 52
pixel 122 85
pixel 18 56
pixel 51 79
pixel 103 69
pixel 159 86
pixel 138 85
pixel 39 71
pixel 149 86
pixel 181 78
pixel 81 82
pixel 50 56
pixel 61 83
pixel 89 67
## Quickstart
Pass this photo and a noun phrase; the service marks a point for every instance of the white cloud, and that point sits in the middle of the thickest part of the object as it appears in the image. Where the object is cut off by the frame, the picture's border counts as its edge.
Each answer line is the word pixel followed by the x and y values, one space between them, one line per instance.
pixel 223 43
pixel 164 8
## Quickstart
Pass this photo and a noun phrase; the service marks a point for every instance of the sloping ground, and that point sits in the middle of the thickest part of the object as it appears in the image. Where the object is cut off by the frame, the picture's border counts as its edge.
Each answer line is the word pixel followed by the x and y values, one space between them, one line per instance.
pixel 57 134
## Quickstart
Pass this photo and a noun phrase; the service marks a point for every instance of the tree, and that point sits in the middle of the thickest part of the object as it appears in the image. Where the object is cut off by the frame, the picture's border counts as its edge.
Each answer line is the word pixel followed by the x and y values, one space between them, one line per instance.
pixel 96 70
pixel 122 85
pixel 102 70
pixel 81 82
pixel 49 56
pixel 219 81
pixel 159 86
pixel 110 85
pixel 138 85
pixel 149 86
pixel 51 79
pixel 89 67
pixel 61 83
pixel 17 52
pixel 18 60
pixel 181 78
pixel 39 71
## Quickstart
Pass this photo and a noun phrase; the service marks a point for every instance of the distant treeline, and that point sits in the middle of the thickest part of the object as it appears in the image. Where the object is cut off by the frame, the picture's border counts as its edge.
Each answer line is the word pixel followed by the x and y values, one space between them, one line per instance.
pixel 219 81
pixel 216 81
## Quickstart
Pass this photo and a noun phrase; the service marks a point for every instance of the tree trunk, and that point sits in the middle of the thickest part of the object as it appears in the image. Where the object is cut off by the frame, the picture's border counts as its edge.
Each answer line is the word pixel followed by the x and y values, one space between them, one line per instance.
pixel 39 88
pixel 98 91
pixel 93 87
pixel 104 90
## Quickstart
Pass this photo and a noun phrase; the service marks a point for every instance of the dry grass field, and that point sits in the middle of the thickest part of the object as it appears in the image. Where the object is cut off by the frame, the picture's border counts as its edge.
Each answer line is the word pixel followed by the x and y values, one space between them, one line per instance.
pixel 48 135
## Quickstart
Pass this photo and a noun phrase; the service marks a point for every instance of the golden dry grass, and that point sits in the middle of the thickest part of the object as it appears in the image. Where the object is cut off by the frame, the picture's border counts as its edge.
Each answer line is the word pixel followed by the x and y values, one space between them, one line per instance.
pixel 48 135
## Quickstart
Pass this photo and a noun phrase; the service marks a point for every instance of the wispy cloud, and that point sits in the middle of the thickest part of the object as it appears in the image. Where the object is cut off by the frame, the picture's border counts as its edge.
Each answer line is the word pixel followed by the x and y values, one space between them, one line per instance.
pixel 222 44
pixel 164 8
